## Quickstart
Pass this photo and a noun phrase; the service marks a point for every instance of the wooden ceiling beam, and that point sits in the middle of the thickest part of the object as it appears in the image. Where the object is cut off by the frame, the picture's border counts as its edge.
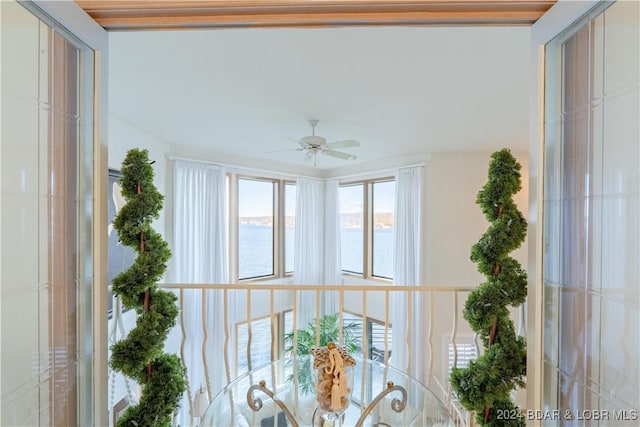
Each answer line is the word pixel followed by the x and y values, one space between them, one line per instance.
pixel 166 14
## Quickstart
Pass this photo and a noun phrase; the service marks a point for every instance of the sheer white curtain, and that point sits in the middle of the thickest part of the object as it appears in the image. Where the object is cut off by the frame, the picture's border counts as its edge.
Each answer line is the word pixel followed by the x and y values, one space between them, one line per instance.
pixel 317 243
pixel 332 251
pixel 406 271
pixel 200 256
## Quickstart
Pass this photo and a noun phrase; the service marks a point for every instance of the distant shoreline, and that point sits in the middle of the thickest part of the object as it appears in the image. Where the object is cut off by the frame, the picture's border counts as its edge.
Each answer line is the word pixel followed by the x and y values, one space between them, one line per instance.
pixel 381 221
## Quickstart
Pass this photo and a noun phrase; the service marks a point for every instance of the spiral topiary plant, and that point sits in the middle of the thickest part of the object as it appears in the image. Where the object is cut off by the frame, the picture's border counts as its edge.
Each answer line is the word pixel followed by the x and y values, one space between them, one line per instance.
pixel 485 386
pixel 140 355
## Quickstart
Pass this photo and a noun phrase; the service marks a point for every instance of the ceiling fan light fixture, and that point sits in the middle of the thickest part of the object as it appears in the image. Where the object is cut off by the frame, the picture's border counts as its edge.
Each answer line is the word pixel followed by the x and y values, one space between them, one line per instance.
pixel 313 141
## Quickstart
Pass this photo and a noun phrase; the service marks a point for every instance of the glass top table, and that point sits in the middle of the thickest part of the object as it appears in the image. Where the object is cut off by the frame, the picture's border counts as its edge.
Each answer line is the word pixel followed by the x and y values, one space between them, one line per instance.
pixel 285 396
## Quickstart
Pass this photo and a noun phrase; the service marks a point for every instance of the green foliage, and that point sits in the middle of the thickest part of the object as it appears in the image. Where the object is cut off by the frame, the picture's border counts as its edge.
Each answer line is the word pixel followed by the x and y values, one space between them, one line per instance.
pixel 485 386
pixel 143 346
pixel 329 331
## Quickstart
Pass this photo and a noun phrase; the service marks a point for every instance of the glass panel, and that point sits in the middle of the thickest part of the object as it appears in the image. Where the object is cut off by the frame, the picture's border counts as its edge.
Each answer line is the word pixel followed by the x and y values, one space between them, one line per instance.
pixel 47 179
pixel 351 227
pixel 591 193
pixel 289 226
pixel 21 336
pixel 384 194
pixel 255 228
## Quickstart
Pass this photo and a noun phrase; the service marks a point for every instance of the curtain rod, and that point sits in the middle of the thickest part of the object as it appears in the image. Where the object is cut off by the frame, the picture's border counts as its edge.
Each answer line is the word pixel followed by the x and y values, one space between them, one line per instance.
pixel 265 171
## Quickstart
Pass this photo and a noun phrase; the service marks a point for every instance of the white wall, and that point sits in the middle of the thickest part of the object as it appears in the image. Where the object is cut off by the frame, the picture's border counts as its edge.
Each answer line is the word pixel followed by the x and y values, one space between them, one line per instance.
pixel 455 222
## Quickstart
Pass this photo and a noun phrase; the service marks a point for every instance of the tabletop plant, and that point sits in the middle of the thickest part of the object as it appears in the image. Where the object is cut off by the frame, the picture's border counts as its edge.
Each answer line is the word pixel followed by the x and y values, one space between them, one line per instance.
pixel 329 332
pixel 140 354
pixel 486 385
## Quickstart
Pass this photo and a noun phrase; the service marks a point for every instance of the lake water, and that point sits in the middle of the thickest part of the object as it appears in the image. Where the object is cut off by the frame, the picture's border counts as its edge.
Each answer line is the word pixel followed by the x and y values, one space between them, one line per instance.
pixel 256 255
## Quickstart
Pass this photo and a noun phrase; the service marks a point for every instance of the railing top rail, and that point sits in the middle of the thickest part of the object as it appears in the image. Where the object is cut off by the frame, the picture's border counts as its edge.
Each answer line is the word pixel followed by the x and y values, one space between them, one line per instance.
pixel 346 287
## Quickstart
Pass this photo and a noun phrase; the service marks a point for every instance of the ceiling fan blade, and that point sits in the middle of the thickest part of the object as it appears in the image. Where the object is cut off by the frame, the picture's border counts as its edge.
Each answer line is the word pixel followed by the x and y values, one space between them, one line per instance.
pixel 339 154
pixel 283 151
pixel 344 144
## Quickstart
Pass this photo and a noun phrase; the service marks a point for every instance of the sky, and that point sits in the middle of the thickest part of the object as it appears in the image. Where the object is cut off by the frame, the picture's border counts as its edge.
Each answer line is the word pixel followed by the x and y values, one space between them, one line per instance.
pixel 351 197
pixel 256 198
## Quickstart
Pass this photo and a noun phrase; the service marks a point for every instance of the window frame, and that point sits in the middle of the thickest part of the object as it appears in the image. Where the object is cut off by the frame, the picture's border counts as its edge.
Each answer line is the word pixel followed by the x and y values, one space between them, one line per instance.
pixel 364 229
pixel 367 224
pixel 372 230
pixel 279 224
pixel 275 227
pixel 284 183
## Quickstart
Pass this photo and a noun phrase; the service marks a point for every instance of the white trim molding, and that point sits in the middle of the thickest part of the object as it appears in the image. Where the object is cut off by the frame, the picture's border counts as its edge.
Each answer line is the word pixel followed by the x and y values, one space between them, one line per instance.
pixel 561 16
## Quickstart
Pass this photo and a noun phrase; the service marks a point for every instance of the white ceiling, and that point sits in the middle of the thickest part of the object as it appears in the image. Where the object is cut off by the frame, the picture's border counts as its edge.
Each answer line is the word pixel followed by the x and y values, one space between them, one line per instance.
pixel 400 91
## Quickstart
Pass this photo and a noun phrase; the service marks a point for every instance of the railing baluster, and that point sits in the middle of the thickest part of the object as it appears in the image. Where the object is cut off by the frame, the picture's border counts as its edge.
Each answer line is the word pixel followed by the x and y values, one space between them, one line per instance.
pixel 205 337
pixel 521 321
pixel 409 329
pixel 454 332
pixel 249 331
pixel 430 334
pixel 385 373
pixel 365 342
pixel 476 336
pixel 294 352
pixel 341 316
pixel 295 323
pixel 274 342
pixel 365 346
pixel 182 345
pixel 317 317
pixel 274 326
pixel 225 348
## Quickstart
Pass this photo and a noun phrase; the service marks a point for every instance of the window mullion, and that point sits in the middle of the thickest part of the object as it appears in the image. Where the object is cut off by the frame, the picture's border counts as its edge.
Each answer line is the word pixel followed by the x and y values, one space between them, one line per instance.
pixel 282 220
pixel 277 235
pixel 367 235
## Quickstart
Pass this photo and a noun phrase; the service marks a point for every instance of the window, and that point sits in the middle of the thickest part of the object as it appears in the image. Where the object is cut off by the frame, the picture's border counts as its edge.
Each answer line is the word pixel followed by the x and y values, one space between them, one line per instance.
pixel 374 334
pixel 265 212
pixel 260 344
pixel 466 351
pixel 367 217
pixel 289 225
pixel 352 227
pixel 255 228
pixel 384 195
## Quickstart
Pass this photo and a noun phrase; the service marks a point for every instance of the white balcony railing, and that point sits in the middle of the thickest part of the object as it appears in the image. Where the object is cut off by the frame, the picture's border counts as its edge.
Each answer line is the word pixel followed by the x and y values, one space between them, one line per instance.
pixel 250 329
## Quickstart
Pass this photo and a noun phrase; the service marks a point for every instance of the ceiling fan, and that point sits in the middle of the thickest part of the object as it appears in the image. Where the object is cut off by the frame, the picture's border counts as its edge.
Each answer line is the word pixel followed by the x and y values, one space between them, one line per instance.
pixel 314 144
